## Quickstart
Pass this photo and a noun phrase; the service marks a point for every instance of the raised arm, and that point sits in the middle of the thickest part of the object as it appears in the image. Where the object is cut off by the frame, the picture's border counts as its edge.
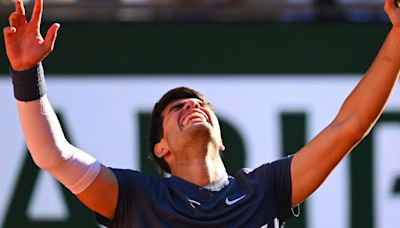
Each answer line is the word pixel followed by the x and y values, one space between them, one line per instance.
pixel 360 111
pixel 94 184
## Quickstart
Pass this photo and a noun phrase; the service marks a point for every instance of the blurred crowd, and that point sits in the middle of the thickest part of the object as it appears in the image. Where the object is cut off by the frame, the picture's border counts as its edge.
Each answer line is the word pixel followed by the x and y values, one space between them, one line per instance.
pixel 277 10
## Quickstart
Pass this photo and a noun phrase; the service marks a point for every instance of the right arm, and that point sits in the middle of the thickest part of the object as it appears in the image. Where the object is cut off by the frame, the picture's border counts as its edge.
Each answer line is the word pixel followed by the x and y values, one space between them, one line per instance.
pixel 94 184
pixel 74 168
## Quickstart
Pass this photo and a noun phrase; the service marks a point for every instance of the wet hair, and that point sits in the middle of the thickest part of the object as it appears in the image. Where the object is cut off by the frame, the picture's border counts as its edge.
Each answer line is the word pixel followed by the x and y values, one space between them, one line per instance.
pixel 156 121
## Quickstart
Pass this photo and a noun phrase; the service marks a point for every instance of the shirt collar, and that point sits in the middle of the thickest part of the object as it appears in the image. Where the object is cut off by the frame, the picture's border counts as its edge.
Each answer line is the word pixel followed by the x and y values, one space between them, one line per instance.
pixel 218 184
pixel 213 186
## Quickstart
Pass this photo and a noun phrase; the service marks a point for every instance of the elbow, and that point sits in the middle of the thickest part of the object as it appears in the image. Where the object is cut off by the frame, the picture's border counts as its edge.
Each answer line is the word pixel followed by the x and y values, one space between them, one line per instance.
pixel 47 157
pixel 353 129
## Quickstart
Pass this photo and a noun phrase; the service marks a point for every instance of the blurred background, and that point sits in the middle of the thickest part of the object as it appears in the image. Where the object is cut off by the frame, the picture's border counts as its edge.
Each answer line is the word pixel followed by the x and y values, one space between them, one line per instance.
pixel 212 10
pixel 277 72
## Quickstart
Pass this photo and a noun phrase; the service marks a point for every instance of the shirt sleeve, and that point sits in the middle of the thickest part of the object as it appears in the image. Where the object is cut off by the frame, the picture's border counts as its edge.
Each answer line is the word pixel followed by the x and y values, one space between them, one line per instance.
pixel 279 176
pixel 131 186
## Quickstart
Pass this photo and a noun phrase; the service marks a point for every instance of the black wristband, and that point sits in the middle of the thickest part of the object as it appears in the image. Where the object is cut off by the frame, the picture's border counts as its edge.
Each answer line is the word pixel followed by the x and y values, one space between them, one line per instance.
pixel 29 84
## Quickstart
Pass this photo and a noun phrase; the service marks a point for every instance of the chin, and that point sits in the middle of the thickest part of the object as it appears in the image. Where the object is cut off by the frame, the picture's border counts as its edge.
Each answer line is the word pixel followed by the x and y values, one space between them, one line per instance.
pixel 199 131
pixel 200 135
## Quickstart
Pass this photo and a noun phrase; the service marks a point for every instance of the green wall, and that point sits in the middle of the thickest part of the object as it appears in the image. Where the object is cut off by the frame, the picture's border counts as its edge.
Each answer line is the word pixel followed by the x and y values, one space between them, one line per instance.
pixel 230 48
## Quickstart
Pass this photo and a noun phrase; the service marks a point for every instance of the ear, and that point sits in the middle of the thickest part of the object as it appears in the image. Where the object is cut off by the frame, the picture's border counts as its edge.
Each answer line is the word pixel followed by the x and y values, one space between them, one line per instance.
pixel 160 149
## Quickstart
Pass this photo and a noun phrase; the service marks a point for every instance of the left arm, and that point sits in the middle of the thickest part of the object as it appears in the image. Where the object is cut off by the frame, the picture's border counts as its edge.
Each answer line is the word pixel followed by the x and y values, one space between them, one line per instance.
pixel 362 108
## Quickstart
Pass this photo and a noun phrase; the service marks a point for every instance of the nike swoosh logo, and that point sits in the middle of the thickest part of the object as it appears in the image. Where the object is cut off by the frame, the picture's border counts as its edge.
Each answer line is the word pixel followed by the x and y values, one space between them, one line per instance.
pixel 231 202
pixel 194 201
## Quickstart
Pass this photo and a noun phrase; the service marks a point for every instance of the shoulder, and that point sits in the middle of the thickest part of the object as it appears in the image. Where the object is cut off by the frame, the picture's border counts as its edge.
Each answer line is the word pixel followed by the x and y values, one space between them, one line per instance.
pixel 267 169
pixel 133 180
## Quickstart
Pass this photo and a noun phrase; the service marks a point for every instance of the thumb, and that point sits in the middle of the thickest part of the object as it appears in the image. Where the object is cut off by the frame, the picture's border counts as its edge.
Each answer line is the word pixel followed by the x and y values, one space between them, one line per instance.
pixel 9 33
pixel 51 36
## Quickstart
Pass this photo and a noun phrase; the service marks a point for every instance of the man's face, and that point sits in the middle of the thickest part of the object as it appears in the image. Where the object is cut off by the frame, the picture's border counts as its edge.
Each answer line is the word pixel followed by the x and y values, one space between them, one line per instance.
pixel 190 122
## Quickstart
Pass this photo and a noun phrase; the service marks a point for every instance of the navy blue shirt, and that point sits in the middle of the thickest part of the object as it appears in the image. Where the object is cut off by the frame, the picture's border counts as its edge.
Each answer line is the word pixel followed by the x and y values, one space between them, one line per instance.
pixel 254 198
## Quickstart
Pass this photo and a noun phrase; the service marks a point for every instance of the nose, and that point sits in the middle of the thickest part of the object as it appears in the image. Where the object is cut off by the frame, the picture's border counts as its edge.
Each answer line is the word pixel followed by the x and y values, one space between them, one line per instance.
pixel 189 104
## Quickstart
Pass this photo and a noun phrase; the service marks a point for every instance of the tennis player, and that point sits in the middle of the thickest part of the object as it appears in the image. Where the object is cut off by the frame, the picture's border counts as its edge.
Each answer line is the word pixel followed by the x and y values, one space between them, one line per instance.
pixel 185 140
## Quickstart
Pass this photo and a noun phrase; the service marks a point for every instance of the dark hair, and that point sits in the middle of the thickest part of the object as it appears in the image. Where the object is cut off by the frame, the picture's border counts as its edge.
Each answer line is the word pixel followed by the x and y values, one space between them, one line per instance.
pixel 156 122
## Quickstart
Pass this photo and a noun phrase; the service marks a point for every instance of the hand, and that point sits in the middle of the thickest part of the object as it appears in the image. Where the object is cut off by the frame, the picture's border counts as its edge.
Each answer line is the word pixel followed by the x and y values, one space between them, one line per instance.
pixel 393 12
pixel 25 45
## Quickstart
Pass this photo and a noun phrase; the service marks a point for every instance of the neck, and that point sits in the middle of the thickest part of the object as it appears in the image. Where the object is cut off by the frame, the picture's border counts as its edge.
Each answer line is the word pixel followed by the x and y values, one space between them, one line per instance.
pixel 200 172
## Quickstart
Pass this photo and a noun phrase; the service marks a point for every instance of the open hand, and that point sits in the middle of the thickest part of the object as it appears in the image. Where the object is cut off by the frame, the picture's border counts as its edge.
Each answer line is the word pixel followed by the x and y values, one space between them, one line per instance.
pixel 25 45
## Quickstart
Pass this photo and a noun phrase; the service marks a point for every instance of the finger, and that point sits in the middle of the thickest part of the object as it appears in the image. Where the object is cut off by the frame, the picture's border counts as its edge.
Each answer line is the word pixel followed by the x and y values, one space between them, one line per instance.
pixel 37 12
pixel 51 36
pixel 9 33
pixel 14 19
pixel 19 7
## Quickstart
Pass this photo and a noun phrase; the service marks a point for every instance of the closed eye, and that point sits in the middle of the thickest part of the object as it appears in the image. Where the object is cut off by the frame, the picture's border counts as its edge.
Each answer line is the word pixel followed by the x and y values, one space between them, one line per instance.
pixel 206 104
pixel 177 107
pixel 203 104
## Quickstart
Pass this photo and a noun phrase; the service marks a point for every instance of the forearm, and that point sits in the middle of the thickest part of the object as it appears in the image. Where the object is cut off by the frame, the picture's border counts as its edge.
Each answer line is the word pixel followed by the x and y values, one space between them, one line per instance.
pixel 44 136
pixel 366 102
pixel 42 132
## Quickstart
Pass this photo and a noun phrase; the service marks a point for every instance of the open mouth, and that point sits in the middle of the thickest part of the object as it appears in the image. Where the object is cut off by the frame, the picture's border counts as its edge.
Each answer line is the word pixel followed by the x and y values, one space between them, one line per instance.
pixel 194 117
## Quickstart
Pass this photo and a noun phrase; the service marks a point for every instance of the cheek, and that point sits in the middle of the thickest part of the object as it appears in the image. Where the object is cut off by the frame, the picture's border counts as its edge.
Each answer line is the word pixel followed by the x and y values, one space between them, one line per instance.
pixel 214 119
pixel 170 124
pixel 215 123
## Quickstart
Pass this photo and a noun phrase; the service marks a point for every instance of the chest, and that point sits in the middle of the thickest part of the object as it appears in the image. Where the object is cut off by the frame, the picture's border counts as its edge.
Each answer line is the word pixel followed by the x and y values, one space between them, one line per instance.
pixel 235 206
